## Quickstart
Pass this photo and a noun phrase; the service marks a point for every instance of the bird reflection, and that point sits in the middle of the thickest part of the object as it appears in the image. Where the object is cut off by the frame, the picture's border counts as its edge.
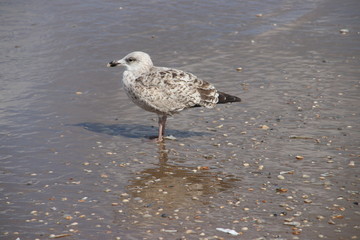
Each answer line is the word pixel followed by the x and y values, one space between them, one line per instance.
pixel 163 154
pixel 171 186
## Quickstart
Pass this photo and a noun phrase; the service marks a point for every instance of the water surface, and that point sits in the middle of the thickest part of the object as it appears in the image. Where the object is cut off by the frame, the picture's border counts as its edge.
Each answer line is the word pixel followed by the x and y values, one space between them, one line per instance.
pixel 74 155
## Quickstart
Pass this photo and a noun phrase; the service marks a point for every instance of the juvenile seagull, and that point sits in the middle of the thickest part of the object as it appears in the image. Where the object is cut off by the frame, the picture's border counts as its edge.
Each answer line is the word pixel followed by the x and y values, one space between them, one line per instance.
pixel 166 91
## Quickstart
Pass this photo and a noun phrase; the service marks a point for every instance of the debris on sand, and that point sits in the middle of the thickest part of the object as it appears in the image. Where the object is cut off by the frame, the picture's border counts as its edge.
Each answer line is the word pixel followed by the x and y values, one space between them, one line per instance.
pixel 226 230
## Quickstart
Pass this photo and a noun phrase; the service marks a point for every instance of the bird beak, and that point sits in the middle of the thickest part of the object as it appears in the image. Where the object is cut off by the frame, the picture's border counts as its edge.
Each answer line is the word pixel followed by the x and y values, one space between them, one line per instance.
pixel 115 63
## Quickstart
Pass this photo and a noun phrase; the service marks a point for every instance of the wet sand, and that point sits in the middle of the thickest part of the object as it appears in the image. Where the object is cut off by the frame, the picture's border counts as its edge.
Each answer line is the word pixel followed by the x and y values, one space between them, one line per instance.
pixel 283 164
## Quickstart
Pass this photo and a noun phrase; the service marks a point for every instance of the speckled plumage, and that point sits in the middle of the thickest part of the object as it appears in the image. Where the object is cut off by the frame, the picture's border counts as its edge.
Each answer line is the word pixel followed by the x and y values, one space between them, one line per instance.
pixel 165 91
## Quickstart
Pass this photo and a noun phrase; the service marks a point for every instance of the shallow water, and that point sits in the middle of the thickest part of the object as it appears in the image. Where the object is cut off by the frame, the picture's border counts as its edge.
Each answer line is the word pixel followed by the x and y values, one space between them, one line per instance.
pixel 74 155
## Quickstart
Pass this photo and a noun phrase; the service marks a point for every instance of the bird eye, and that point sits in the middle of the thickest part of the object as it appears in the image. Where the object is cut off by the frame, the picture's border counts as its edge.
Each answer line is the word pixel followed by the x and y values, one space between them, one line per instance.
pixel 131 59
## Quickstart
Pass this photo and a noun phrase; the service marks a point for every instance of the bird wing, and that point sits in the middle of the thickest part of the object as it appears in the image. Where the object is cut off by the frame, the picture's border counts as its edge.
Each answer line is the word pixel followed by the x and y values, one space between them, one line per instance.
pixel 171 90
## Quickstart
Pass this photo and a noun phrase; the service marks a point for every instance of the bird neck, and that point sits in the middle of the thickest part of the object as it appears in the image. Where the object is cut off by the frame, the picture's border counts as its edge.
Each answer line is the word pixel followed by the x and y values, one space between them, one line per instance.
pixel 129 77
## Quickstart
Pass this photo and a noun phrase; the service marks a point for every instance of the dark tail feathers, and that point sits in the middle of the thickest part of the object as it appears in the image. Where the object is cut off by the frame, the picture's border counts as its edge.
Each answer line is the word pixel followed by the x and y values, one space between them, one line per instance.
pixel 226 98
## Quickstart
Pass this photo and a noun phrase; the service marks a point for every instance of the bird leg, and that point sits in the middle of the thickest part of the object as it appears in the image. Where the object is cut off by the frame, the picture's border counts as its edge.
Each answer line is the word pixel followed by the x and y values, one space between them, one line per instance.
pixel 162 121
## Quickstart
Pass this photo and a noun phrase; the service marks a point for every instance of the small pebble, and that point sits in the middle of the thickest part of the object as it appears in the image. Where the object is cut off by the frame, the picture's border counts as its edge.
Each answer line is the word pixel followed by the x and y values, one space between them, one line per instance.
pixel 59 235
pixel 34 212
pixel 264 127
pixel 344 31
pixel 295 224
pixel 169 230
pixel 298 214
pixel 68 217
pixel 281 190
pixel 280 177
pixel 337 217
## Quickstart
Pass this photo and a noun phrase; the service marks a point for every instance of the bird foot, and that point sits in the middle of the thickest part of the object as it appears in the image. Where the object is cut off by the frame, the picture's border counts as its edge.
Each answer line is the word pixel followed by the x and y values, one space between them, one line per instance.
pixel 156 139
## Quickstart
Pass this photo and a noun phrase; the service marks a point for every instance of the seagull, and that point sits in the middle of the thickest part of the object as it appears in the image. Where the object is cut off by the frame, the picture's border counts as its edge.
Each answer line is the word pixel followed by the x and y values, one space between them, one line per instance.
pixel 166 91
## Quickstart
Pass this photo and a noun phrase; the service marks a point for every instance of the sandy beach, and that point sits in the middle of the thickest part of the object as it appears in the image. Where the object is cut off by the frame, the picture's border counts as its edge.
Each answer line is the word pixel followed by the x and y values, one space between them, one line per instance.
pixel 76 161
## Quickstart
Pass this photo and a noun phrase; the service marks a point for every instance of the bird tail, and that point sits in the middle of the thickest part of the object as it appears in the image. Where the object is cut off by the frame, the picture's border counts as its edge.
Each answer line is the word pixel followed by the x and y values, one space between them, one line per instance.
pixel 226 98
